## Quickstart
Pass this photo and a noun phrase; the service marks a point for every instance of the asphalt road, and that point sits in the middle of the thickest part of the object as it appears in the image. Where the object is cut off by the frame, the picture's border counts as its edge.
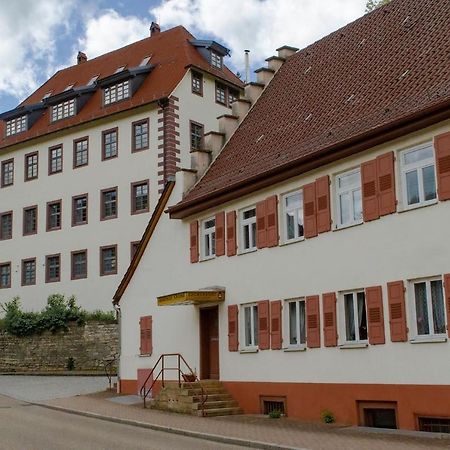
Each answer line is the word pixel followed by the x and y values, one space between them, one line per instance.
pixel 24 426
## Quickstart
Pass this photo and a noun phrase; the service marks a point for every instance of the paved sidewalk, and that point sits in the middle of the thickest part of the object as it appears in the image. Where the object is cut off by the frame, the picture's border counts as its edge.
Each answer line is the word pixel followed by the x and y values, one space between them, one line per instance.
pixel 281 432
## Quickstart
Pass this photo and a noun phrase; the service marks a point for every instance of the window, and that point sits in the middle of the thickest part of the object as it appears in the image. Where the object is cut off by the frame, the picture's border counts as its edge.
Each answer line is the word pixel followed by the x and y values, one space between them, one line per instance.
pixel 250 325
pixel 293 216
pixel 117 92
pixel 80 152
pixel 31 166
pixel 418 176
pixel 52 268
pixel 196 135
pixel 6 220
pixel 108 203
pixel 79 265
pixel 139 200
pixel 17 125
pixel 197 83
pixel 434 424
pixel 7 173
pixel 209 238
pixel 109 143
pixel 429 307
pixel 30 220
pixel 248 229
pixel 80 210
pixel 216 60
pixel 63 110
pixel 108 260
pixel 348 198
pixel 119 69
pixel 54 213
pixel 233 95
pixel 145 61
pixel 29 272
pixel 140 135
pixel 296 322
pixel 355 316
pixel 55 159
pixel 221 93
pixel 5 275
pixel 133 248
pixel 92 80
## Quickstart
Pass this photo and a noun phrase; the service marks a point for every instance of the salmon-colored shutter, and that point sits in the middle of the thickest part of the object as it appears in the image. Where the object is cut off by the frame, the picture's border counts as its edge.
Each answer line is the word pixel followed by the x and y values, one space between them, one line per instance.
pixel 261 224
pixel 149 335
pixel 397 312
pixel 447 299
pixel 323 204
pixel 233 343
pixel 231 233
pixel 263 325
pixel 309 210
pixel 313 321
pixel 329 320
pixel 375 317
pixel 194 241
pixel 275 325
pixel 143 343
pixel 272 221
pixel 442 146
pixel 387 201
pixel 146 345
pixel 220 234
pixel 369 190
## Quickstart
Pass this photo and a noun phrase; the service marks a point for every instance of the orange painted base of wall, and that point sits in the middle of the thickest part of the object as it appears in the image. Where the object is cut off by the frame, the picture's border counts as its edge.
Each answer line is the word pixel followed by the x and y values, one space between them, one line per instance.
pixel 307 400
pixel 131 387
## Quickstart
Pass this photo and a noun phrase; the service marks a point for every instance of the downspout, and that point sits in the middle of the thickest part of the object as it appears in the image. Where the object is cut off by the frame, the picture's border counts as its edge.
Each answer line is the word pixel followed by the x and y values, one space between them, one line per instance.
pixel 119 323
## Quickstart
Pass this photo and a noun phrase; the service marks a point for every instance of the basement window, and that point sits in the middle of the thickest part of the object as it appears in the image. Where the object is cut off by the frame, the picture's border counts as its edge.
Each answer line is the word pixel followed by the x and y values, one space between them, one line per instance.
pixel 16 125
pixel 434 424
pixel 271 404
pixel 378 414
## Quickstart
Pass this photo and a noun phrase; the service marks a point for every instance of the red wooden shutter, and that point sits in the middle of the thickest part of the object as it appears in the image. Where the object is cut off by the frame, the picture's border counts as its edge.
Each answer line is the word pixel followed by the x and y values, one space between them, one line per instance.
pixel 309 210
pixel 369 190
pixel 146 344
pixel 323 204
pixel 231 233
pixel 375 317
pixel 447 299
pixel 387 202
pixel 143 342
pixel 194 241
pixel 397 312
pixel 313 321
pixel 233 343
pixel 263 325
pixel 220 234
pixel 272 221
pixel 261 225
pixel 275 325
pixel 442 146
pixel 329 319
pixel 149 335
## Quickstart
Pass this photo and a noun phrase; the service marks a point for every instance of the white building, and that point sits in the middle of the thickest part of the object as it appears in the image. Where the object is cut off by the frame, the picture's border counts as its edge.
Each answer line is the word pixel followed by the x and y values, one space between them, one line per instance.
pixel 84 159
pixel 309 267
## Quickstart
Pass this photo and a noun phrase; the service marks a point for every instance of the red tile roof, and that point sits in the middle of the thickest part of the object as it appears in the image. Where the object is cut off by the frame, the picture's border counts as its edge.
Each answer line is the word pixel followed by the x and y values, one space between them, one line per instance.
pixel 378 71
pixel 170 51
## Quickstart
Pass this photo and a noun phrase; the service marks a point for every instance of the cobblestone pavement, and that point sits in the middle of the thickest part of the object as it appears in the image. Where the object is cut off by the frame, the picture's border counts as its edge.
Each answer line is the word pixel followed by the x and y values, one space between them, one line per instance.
pixel 39 388
pixel 284 432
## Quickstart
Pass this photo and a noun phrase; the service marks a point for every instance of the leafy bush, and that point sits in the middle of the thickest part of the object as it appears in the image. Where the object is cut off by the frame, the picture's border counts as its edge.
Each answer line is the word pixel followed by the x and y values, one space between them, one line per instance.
pixel 275 414
pixel 101 316
pixel 327 416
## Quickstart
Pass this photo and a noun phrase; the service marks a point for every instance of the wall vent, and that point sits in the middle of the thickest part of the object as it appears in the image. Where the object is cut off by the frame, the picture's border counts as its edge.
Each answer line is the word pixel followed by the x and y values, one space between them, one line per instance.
pixel 270 404
pixel 434 424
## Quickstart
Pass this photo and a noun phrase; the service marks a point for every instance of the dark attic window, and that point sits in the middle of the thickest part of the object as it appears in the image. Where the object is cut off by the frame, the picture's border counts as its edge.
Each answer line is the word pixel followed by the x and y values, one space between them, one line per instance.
pixel 216 60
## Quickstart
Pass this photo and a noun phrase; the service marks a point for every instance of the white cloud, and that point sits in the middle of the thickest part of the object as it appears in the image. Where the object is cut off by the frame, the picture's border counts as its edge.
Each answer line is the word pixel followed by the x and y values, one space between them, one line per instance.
pixel 27 36
pixel 259 25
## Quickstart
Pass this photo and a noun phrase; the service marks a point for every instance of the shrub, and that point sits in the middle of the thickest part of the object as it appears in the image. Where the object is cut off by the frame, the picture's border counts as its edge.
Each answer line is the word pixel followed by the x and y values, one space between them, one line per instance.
pixel 101 316
pixel 70 363
pixel 327 416
pixel 275 414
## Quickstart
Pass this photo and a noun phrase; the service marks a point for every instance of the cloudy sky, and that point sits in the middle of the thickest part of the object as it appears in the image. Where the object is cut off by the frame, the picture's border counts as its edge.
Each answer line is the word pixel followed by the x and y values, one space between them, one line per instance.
pixel 39 37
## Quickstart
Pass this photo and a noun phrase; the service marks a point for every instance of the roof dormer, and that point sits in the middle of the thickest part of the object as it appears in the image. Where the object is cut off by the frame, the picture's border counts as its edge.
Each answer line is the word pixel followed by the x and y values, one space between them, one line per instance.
pixel 21 119
pixel 212 51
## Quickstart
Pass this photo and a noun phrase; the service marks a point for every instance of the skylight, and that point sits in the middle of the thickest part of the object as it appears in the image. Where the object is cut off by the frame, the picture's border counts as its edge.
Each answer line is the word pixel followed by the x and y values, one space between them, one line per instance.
pixel 119 69
pixel 47 95
pixel 145 61
pixel 92 80
pixel 69 87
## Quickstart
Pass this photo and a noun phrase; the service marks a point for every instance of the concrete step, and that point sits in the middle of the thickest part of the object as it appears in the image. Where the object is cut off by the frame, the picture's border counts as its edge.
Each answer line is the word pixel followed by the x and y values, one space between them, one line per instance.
pixel 217 404
pixel 209 391
pixel 220 412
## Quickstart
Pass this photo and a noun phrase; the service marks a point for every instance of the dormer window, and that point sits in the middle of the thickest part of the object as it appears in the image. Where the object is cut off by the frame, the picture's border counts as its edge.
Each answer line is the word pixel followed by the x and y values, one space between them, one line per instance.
pixel 117 92
pixel 16 125
pixel 216 60
pixel 63 110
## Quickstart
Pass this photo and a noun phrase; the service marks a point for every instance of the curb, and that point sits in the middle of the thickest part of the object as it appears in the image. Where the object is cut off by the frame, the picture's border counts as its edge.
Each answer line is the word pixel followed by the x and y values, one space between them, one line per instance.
pixel 179 431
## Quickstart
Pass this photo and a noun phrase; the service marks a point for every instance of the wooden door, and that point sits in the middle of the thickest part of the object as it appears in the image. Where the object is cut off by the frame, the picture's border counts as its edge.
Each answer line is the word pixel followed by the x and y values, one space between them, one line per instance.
pixel 209 343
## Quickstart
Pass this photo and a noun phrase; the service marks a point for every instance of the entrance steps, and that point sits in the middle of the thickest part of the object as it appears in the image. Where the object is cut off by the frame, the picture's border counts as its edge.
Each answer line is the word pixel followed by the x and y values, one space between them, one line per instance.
pixel 188 399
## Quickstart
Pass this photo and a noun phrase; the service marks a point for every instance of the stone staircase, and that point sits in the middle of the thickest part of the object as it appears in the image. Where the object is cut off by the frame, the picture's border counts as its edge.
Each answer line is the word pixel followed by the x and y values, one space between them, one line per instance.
pixel 187 399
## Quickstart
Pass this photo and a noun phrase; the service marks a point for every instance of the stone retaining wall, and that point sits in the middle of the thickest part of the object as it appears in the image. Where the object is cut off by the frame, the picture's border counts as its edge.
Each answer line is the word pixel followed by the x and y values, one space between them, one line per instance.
pixel 89 346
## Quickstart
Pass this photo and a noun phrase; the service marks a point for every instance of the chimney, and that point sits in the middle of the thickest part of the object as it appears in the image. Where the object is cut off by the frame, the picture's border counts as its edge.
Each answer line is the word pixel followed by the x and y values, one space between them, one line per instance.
pixel 154 29
pixel 81 58
pixel 247 66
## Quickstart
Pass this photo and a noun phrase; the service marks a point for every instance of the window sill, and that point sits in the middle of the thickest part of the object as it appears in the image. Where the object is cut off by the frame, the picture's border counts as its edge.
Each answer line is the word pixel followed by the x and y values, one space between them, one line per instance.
pixel 350 225
pixel 419 206
pixel 207 258
pixel 249 350
pixel 245 252
pixel 428 340
pixel 300 348
pixel 146 355
pixel 292 241
pixel 351 345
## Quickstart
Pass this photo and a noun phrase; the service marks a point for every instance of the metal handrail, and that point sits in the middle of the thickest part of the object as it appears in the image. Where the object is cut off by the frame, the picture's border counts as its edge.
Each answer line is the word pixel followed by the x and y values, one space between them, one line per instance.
pixel 108 369
pixel 181 375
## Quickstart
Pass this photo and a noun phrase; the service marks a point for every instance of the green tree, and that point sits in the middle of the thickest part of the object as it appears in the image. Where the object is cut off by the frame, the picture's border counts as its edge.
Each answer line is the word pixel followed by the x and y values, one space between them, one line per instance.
pixel 374 4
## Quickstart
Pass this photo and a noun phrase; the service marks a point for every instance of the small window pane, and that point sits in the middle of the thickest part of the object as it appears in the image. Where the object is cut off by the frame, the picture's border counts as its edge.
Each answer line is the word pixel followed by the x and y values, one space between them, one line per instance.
pixel 349 317
pixel 248 326
pixel 357 205
pixel 429 183
pixel 437 303
pixel 418 155
pixel 421 308
pixel 362 316
pixel 412 187
pixel 293 324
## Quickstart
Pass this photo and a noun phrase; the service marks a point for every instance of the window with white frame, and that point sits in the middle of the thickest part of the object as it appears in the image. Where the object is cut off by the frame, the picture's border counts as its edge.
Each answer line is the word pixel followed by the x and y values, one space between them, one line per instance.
pixel 63 110
pixel 209 237
pixel 348 198
pixel 293 216
pixel 418 175
pixel 250 325
pixel 248 229
pixel 296 322
pixel 117 92
pixel 16 125
pixel 429 307
pixel 355 316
